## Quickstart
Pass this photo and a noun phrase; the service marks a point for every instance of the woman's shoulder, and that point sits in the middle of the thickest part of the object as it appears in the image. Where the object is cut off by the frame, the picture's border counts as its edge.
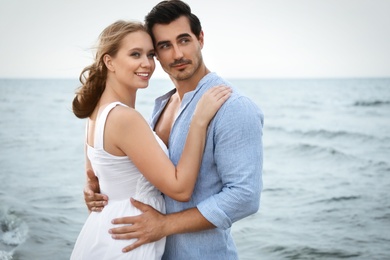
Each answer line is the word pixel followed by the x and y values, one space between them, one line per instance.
pixel 124 114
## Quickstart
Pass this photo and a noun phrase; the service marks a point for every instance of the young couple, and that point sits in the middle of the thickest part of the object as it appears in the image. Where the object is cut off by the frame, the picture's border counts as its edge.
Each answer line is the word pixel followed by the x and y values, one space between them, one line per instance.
pixel 202 151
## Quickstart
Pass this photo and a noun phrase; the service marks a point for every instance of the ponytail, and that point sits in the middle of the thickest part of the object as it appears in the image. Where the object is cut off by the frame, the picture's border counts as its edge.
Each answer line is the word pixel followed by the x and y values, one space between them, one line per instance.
pixel 93 80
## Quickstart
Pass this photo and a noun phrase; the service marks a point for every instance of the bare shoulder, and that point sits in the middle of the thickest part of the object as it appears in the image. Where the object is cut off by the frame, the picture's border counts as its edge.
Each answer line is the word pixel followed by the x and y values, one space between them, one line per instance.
pixel 125 120
pixel 122 113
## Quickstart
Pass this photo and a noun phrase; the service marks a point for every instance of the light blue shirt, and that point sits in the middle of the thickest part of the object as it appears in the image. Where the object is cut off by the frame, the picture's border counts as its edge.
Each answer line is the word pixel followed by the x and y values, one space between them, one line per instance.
pixel 230 180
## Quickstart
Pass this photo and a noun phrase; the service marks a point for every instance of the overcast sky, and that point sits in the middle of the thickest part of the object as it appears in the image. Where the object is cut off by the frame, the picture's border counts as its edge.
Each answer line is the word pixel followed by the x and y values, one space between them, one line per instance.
pixel 243 38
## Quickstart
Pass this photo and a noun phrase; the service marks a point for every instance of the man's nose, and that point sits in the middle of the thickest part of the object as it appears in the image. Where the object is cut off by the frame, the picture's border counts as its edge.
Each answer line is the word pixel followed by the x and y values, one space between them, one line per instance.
pixel 177 53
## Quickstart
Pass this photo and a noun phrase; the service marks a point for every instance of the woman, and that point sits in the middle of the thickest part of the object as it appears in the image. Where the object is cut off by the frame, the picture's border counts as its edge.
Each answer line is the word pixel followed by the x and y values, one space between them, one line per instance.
pixel 125 154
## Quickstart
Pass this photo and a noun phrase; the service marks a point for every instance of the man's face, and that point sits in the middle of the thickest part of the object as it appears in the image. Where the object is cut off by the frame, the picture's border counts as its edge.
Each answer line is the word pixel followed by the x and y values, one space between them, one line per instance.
pixel 178 49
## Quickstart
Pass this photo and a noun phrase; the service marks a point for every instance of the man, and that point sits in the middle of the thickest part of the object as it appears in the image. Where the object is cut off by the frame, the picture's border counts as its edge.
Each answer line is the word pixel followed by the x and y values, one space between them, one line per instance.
pixel 229 183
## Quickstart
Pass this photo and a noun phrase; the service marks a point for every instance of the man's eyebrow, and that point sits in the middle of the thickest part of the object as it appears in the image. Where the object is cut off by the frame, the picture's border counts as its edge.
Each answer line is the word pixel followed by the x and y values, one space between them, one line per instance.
pixel 183 35
pixel 162 43
pixel 178 37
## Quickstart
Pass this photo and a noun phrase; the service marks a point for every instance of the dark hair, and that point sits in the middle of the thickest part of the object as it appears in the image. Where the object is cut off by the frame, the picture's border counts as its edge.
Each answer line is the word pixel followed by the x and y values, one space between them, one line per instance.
pixel 166 12
pixel 93 77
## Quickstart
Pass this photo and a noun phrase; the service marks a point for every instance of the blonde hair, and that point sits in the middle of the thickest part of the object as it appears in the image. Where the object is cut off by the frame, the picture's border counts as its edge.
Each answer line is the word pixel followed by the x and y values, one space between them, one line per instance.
pixel 93 77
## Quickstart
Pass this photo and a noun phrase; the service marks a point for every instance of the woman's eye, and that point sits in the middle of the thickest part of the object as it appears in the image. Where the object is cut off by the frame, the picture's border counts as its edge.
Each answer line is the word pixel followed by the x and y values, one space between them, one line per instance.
pixel 151 55
pixel 135 54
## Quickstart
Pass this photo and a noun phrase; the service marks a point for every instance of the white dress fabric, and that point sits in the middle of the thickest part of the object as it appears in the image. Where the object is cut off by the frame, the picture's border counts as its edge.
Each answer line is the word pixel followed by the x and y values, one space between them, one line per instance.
pixel 120 180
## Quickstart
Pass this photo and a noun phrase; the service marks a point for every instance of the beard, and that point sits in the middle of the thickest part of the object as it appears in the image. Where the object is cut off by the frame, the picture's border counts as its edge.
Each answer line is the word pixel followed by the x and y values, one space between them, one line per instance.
pixel 187 72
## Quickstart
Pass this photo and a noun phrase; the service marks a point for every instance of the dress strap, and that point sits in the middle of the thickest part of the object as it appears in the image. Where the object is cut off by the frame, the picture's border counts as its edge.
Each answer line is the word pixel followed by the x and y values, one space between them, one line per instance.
pixel 101 122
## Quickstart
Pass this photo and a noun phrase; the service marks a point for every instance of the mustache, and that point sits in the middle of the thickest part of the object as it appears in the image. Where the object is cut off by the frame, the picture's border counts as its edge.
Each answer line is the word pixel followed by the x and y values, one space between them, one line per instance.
pixel 180 62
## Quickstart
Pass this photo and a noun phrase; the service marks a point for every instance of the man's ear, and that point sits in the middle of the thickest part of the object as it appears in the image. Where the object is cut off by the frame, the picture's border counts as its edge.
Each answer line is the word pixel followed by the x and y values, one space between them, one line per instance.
pixel 108 62
pixel 201 38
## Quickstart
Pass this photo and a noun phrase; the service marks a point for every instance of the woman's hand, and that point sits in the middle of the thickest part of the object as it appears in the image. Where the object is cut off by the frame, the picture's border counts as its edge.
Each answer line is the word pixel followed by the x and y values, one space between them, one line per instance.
pixel 93 199
pixel 210 103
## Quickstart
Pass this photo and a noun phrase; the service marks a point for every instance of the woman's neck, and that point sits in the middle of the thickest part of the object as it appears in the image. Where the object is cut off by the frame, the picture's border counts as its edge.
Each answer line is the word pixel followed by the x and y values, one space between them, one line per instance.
pixel 113 93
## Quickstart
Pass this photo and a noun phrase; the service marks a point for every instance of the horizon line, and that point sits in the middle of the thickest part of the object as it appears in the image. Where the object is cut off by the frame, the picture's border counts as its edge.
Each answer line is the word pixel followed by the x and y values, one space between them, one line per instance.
pixel 228 78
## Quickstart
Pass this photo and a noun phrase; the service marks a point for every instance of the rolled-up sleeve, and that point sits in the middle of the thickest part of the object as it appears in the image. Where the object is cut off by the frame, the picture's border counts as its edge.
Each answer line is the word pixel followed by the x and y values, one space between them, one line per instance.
pixel 238 155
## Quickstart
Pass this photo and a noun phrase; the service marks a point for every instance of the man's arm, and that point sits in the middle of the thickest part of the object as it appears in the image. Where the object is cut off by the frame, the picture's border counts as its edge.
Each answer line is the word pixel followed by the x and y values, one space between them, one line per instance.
pixel 238 155
pixel 152 225
pixel 239 198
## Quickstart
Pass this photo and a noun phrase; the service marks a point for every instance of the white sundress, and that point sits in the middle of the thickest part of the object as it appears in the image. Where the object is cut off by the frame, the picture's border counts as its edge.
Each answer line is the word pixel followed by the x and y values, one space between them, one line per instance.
pixel 120 180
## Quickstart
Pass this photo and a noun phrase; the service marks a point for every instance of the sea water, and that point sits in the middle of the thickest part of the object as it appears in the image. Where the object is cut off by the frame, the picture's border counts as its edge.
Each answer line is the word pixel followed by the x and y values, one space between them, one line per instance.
pixel 326 169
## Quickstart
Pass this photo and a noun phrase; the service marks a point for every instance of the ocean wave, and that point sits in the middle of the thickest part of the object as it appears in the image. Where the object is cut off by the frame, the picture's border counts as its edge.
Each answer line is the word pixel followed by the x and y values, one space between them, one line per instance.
pixel 379 168
pixel 13 232
pixel 373 103
pixel 332 134
pixel 337 199
pixel 322 133
pixel 273 189
pixel 5 255
pixel 384 216
pixel 307 252
pixel 316 253
pixel 317 151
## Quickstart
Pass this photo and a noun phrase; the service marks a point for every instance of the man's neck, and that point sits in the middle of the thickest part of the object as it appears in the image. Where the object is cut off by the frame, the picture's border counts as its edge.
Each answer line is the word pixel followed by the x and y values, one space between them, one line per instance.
pixel 184 86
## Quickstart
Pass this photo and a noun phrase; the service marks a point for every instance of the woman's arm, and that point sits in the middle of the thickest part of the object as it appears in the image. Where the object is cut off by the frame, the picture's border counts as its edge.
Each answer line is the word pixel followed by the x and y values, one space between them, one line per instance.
pixel 93 199
pixel 130 132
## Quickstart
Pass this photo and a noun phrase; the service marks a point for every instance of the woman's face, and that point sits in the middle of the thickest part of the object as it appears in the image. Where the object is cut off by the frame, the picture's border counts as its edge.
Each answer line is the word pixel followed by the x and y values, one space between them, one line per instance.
pixel 134 63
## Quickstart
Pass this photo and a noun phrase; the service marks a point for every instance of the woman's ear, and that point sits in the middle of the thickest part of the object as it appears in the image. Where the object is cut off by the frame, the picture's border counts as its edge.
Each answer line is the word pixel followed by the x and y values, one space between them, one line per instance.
pixel 108 62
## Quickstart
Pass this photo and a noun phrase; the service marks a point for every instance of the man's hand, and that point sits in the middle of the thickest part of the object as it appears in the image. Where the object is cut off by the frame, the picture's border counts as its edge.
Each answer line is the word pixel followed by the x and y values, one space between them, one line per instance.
pixel 93 199
pixel 147 227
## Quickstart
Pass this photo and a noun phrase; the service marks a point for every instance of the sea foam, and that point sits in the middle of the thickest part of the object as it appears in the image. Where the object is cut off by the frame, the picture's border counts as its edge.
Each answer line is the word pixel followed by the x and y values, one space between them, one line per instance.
pixel 13 232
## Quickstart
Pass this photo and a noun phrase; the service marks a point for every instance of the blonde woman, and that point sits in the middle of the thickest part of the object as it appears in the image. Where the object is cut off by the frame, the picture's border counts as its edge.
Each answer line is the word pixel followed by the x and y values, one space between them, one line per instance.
pixel 129 160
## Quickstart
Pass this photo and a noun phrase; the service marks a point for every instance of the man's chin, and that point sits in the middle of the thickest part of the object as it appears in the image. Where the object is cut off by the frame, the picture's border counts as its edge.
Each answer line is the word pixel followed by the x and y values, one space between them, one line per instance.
pixel 182 75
